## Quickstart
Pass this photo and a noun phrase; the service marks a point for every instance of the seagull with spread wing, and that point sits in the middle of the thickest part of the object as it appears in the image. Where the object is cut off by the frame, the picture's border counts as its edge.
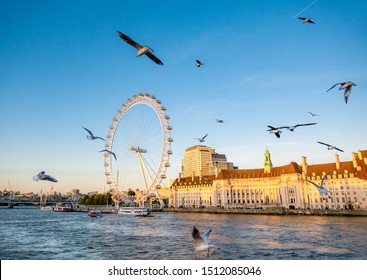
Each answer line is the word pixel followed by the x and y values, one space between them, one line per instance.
pixel 291 128
pixel 330 147
pixel 275 130
pixel 91 136
pixel 313 114
pixel 219 121
pixel 201 140
pixel 203 240
pixel 109 152
pixel 44 177
pixel 320 187
pixel 306 20
pixel 199 63
pixel 141 49
pixel 347 86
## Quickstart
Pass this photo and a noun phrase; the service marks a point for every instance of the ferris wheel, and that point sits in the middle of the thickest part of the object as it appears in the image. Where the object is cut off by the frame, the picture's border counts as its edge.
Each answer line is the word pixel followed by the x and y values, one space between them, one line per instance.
pixel 138 148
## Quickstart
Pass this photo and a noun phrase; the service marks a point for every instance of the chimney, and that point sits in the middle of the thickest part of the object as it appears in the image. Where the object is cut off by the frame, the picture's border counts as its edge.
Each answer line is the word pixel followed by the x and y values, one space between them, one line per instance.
pixel 179 176
pixel 304 165
pixel 337 161
pixel 359 155
pixel 354 158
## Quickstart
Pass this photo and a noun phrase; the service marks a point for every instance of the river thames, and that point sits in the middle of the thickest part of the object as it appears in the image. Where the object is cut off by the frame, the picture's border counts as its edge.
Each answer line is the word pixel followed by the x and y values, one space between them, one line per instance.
pixel 28 233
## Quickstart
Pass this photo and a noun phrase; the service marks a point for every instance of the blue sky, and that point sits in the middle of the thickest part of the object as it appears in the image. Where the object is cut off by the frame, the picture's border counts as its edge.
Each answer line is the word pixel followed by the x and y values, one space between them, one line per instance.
pixel 62 67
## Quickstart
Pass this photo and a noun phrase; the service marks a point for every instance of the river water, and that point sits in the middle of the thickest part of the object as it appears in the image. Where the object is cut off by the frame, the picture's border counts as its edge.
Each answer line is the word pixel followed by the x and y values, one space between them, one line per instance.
pixel 29 233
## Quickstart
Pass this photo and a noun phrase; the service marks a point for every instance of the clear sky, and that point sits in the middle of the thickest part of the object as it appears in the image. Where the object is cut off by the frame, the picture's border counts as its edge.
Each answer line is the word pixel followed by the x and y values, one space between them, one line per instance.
pixel 62 66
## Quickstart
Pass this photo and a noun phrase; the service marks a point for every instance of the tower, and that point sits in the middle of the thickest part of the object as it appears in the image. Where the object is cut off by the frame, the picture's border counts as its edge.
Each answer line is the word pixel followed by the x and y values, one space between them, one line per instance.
pixel 267 161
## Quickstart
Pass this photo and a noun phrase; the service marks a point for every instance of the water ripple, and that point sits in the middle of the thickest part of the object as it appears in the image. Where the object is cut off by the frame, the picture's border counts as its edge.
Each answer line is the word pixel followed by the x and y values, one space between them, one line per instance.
pixel 28 233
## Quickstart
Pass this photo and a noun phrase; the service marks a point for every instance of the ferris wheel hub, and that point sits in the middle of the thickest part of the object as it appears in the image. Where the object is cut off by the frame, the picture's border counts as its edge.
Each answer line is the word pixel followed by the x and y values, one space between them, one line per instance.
pixel 137 149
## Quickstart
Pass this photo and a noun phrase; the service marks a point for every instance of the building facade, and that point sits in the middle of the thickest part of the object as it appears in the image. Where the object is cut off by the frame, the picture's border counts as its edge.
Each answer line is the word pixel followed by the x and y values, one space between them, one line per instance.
pixel 281 186
pixel 203 161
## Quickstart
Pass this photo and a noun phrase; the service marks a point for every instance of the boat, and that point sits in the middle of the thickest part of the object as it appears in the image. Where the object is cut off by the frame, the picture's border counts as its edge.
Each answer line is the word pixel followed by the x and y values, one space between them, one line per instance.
pixel 47 208
pixel 134 211
pixel 63 208
pixel 95 213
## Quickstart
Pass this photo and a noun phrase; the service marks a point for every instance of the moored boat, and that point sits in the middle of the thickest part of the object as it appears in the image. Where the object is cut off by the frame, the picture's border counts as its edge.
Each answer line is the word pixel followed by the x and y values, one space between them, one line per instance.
pixel 134 211
pixel 47 208
pixel 63 208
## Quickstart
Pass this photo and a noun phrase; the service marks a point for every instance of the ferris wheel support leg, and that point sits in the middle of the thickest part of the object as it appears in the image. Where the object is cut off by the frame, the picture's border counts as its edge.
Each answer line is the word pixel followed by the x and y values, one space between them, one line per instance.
pixel 142 171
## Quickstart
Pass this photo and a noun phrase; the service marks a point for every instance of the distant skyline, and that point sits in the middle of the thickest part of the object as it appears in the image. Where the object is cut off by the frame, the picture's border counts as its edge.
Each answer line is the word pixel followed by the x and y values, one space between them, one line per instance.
pixel 64 67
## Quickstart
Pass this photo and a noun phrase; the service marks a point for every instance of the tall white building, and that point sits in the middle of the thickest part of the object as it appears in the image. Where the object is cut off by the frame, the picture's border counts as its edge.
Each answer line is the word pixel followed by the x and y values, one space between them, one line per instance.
pixel 203 161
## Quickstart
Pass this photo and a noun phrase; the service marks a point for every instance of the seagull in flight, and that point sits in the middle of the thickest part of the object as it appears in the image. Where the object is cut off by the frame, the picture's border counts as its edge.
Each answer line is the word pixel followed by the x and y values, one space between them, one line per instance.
pixel 313 114
pixel 203 240
pixel 201 140
pixel 291 128
pixel 347 86
pixel 199 63
pixel 43 176
pixel 306 20
pixel 91 136
pixel 109 152
pixel 320 187
pixel 219 121
pixel 330 147
pixel 141 49
pixel 275 130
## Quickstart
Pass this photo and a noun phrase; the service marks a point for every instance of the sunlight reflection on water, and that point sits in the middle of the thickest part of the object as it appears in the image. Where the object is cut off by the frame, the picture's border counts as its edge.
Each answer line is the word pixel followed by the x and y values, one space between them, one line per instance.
pixel 28 233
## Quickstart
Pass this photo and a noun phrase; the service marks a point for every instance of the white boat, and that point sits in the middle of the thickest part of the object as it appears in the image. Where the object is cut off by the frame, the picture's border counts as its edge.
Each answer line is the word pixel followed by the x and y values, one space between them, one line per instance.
pixel 48 208
pixel 134 211
pixel 63 208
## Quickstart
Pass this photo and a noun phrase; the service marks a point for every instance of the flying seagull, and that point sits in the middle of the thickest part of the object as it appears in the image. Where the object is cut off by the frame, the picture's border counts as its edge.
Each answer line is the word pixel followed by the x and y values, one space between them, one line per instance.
pixel 109 152
pixel 203 240
pixel 199 63
pixel 201 140
pixel 219 121
pixel 320 187
pixel 291 128
pixel 91 136
pixel 306 20
pixel 347 86
pixel 141 49
pixel 43 176
pixel 275 130
pixel 313 114
pixel 330 147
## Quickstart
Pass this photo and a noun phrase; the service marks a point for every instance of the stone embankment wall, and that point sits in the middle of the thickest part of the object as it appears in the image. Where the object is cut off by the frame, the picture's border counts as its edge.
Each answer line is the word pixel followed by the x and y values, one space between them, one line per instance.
pixel 270 211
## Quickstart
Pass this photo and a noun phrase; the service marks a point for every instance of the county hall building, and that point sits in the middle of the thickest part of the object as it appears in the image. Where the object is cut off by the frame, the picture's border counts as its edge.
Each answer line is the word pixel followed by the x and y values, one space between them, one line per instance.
pixel 214 183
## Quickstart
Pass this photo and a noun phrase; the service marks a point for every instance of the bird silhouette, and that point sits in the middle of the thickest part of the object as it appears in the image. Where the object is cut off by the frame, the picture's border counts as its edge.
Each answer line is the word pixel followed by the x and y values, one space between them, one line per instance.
pixel 276 130
pixel 219 121
pixel 109 152
pixel 291 128
pixel 330 147
pixel 305 20
pixel 199 63
pixel 347 86
pixel 141 49
pixel 91 136
pixel 201 140
pixel 313 114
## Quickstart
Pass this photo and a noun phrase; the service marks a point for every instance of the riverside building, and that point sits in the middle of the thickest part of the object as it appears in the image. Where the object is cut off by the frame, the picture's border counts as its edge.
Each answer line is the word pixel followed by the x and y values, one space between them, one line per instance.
pixel 280 186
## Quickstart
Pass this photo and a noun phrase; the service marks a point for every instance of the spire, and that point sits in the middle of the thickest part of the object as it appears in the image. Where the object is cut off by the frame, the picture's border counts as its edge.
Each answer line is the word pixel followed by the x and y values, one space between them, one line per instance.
pixel 267 161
